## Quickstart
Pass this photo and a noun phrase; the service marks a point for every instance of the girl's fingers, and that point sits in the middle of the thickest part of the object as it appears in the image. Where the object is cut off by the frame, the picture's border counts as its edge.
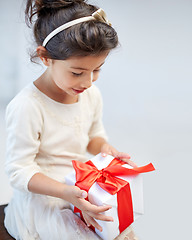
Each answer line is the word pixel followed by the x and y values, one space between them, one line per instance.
pixel 109 151
pixel 86 206
pixel 126 158
pixel 122 155
pixel 101 217
pixel 92 222
pixel 81 193
pixel 86 218
pixel 96 224
pixel 103 154
pixel 99 209
pixel 90 219
pixel 106 152
pixel 96 212
pixel 131 163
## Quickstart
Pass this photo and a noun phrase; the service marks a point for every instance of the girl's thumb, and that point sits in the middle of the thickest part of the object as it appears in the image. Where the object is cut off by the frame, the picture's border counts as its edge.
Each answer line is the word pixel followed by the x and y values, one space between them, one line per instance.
pixel 82 194
pixel 103 154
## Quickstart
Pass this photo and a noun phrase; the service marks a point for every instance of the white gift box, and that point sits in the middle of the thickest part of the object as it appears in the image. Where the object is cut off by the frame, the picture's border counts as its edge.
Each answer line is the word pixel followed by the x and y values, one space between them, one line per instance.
pixel 99 197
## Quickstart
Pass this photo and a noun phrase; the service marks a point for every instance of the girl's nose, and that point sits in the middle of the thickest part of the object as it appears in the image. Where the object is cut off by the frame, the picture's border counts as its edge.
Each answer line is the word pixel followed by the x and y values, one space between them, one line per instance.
pixel 88 81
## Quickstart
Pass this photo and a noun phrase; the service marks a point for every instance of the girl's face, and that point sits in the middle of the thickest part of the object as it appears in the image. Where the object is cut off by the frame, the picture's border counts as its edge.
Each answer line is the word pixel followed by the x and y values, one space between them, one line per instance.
pixel 76 74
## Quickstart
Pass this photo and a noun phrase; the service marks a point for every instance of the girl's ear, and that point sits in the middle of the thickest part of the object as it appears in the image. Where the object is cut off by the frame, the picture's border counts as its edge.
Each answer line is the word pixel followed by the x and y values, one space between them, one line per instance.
pixel 41 52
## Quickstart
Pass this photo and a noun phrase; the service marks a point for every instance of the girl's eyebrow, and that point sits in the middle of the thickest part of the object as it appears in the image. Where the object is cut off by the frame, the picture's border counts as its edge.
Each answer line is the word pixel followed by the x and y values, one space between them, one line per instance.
pixel 85 69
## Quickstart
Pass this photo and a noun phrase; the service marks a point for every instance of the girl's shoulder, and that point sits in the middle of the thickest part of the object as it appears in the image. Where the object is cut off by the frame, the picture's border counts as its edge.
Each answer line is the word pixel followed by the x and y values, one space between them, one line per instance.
pixel 25 99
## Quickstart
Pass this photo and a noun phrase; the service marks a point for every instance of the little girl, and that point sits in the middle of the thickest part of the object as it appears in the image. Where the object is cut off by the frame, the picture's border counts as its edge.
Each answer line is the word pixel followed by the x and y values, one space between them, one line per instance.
pixel 57 119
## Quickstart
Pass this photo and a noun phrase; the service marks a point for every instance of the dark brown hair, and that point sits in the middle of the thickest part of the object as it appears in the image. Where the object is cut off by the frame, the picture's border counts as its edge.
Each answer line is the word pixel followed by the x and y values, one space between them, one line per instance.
pixel 87 38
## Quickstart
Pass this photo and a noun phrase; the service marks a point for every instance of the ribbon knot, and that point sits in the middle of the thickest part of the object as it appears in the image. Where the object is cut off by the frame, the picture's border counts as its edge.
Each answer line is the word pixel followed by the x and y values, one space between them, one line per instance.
pixel 101 176
pixel 87 174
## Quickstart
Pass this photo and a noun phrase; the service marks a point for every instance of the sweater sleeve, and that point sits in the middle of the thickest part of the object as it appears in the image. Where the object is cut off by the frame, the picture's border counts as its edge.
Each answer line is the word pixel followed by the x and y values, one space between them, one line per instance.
pixel 23 126
pixel 97 128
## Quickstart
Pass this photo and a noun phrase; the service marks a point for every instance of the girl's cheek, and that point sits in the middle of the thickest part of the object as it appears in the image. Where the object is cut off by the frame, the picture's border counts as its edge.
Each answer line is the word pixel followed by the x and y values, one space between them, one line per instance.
pixel 95 77
pixel 60 82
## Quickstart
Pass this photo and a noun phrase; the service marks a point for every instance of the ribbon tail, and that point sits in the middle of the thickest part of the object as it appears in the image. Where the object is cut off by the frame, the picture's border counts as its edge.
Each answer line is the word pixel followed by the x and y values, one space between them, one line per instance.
pixel 125 208
pixel 77 210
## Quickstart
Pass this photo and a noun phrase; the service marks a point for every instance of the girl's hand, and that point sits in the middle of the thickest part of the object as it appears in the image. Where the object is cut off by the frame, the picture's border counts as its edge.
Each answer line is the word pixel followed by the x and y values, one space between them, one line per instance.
pixel 90 212
pixel 108 149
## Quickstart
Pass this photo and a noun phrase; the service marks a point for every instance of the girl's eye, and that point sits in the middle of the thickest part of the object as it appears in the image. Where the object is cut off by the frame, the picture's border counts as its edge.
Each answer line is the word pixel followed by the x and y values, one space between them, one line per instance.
pixel 77 74
pixel 97 70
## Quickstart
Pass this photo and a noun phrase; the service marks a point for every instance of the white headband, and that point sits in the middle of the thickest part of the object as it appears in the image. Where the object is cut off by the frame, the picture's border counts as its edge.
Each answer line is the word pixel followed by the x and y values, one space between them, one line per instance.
pixel 98 15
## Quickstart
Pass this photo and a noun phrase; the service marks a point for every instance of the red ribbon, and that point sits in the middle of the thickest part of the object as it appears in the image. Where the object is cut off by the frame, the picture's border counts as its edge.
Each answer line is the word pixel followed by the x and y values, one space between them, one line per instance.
pixel 87 174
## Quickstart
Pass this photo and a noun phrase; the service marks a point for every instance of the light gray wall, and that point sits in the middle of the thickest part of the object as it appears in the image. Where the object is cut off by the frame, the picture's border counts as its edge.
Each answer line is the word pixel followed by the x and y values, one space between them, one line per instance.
pixel 15 70
pixel 146 87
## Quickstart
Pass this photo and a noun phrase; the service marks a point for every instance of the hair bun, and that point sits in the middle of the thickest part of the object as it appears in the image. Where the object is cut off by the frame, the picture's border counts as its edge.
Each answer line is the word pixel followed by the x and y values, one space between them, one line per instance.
pixel 43 7
pixel 50 4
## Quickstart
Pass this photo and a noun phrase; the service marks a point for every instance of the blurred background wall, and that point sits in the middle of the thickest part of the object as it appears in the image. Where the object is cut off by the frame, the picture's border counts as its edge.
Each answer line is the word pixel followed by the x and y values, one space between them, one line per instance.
pixel 147 92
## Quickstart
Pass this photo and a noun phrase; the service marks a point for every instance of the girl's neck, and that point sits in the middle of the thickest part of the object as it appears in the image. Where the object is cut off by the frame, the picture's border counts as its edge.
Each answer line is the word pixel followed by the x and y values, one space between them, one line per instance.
pixel 47 86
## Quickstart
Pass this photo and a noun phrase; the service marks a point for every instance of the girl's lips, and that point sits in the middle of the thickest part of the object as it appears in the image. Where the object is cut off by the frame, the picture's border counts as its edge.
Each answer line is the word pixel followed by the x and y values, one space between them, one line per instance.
pixel 78 91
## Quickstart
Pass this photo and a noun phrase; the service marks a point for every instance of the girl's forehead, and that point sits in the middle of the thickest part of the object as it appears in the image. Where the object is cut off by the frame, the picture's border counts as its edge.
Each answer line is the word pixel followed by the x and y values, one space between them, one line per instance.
pixel 85 62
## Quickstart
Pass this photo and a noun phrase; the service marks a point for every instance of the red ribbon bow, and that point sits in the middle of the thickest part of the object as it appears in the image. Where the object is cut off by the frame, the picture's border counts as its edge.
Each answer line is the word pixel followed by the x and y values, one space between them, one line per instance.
pixel 87 174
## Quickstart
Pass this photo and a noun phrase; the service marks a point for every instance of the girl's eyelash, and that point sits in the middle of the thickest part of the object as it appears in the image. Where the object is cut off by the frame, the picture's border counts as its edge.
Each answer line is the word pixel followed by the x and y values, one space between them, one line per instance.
pixel 79 74
pixel 76 74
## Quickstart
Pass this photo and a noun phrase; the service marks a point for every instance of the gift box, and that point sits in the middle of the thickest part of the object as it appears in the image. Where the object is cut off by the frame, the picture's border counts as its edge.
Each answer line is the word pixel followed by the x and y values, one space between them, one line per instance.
pixel 110 181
